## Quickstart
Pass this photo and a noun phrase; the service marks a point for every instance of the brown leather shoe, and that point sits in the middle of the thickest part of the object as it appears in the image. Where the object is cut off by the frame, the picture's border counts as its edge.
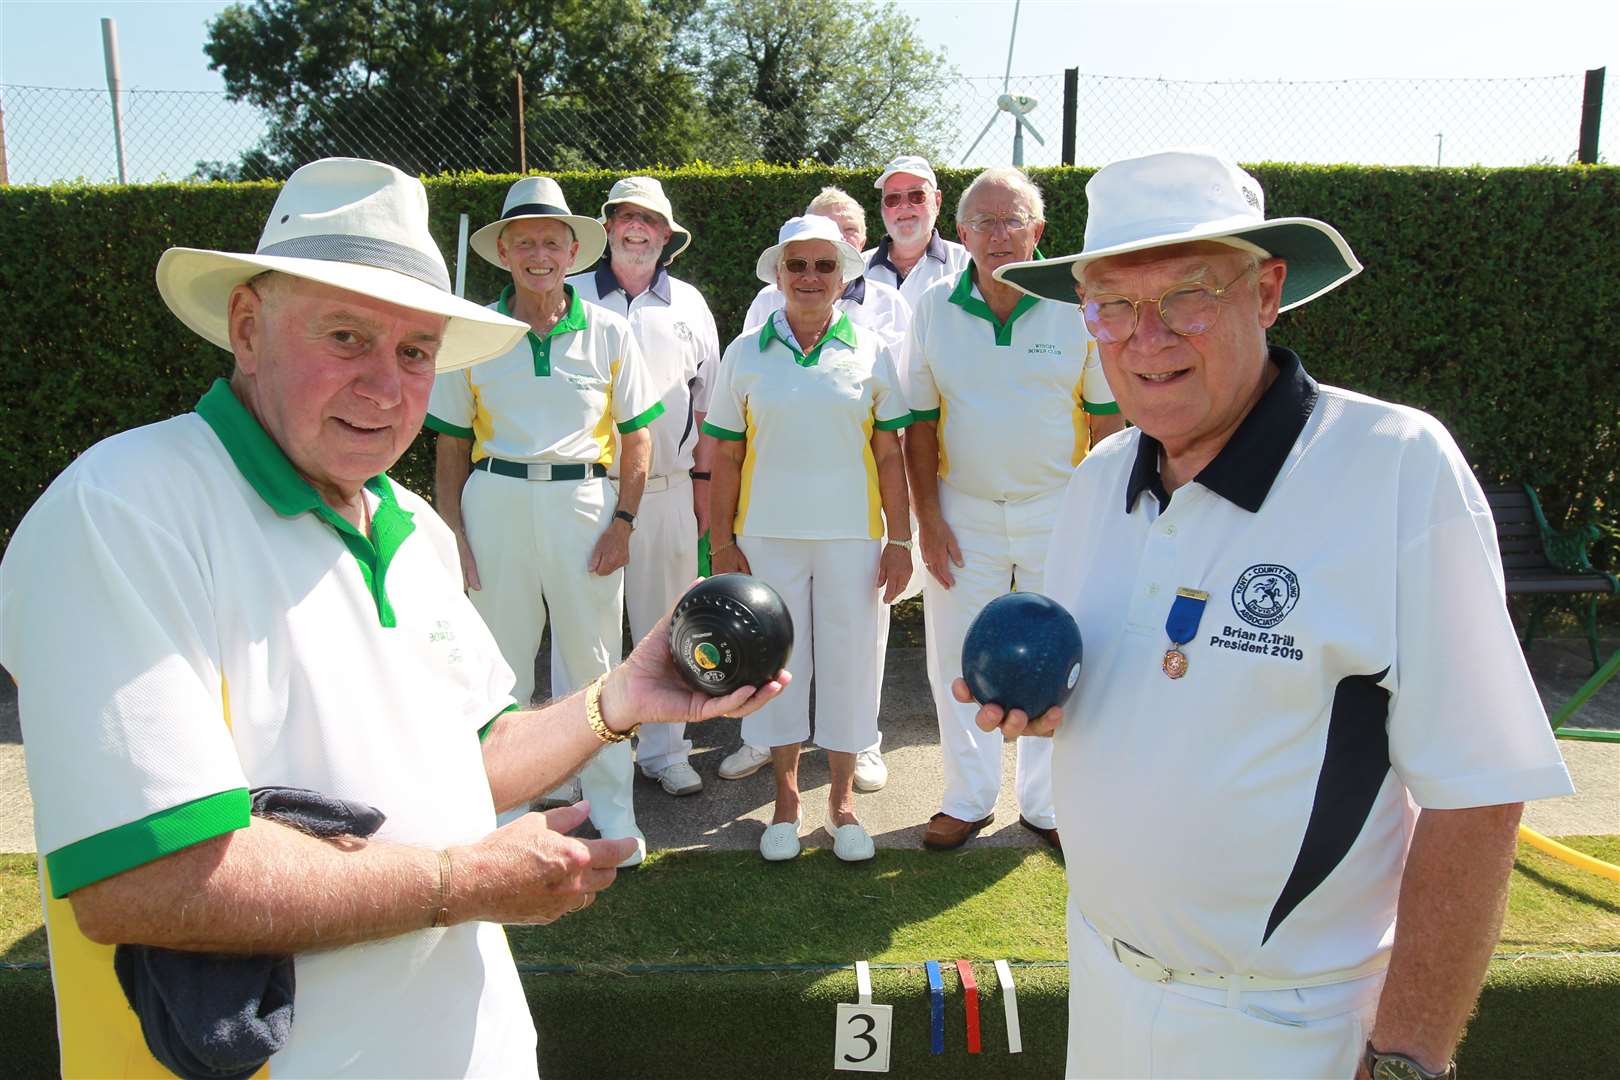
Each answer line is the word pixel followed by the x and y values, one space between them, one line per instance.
pixel 1049 835
pixel 946 832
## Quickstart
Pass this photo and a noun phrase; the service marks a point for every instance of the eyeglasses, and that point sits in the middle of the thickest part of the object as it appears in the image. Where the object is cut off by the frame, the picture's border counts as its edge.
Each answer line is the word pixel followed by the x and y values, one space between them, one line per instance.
pixel 798 266
pixel 1187 310
pixel 916 197
pixel 1013 223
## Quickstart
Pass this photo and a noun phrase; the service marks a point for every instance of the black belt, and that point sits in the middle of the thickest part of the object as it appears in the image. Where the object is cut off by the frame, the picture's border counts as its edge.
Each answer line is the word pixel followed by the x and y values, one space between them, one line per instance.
pixel 542 471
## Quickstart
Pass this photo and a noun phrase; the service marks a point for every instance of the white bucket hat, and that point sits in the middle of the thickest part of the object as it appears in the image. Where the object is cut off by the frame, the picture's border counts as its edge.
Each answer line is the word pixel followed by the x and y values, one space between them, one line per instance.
pixel 647 193
pixel 810 227
pixel 1179 196
pixel 910 164
pixel 352 224
pixel 540 197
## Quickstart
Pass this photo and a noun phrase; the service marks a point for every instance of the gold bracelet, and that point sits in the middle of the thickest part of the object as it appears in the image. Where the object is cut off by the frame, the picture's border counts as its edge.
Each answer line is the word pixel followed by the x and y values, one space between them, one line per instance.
pixel 593 714
pixel 441 916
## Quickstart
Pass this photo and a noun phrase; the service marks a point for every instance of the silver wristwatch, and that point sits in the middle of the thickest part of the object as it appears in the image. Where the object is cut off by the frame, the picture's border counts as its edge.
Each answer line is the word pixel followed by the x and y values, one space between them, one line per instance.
pixel 1382 1065
pixel 903 545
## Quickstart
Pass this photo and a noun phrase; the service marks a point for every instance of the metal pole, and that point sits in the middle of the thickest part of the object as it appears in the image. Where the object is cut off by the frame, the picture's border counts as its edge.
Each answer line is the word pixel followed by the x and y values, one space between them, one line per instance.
pixel 4 176
pixel 1071 111
pixel 115 87
pixel 1591 115
pixel 1018 141
pixel 1439 145
pixel 519 150
pixel 461 257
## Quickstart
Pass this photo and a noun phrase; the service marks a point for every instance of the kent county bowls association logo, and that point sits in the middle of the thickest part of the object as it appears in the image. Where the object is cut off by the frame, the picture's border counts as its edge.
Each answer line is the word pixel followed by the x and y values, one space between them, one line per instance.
pixel 1264 594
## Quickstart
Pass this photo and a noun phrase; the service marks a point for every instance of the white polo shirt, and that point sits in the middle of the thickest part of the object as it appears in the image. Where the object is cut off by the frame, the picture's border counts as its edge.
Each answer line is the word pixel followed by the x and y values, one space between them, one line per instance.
pixel 808 472
pixel 679 347
pixel 220 630
pixel 1011 399
pixel 1354 662
pixel 868 303
pixel 552 399
pixel 941 259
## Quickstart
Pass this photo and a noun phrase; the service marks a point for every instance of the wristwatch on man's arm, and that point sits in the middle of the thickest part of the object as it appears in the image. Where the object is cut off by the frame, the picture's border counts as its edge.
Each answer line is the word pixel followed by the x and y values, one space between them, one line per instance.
pixel 1390 1065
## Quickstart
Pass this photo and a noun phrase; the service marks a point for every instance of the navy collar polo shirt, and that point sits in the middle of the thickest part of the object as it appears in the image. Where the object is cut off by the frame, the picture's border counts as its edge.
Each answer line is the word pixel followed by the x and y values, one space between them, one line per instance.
pixel 1351 662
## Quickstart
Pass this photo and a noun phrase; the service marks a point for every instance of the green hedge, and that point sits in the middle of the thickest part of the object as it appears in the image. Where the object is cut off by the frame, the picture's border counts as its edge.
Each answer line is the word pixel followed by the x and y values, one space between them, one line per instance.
pixel 1491 299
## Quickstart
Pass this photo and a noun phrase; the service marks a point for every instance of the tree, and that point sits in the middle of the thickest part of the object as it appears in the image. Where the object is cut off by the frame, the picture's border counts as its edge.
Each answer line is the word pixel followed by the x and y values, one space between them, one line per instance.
pixel 427 85
pixel 820 79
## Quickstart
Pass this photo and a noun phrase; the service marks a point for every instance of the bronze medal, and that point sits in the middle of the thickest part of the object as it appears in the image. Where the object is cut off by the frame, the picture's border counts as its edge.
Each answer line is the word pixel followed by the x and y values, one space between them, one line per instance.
pixel 1175 663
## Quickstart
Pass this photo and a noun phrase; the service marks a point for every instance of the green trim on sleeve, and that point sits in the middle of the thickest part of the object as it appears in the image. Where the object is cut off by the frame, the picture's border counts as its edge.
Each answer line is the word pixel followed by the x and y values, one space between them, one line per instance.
pixel 635 423
pixel 96 858
pixel 1106 408
pixel 483 732
pixel 723 433
pixel 445 427
pixel 918 415
pixel 896 424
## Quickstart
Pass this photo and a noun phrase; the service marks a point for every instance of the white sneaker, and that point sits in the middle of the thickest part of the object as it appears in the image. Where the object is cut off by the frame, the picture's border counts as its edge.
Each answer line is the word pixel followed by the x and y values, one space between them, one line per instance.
pixel 852 844
pixel 870 772
pixel 677 779
pixel 746 760
pixel 780 841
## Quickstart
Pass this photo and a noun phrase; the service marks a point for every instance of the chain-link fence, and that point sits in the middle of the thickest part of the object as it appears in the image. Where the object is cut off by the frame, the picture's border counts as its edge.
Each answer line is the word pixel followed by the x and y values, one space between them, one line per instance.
pixel 52 134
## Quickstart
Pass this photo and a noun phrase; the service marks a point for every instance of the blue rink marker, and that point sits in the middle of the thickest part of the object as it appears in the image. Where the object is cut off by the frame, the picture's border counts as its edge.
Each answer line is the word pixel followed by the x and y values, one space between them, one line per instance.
pixel 936 1005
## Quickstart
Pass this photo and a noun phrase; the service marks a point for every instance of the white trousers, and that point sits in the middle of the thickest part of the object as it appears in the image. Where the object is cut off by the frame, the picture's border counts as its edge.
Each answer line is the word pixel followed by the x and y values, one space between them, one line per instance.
pixel 663 565
pixel 1003 545
pixel 1120 1024
pixel 532 540
pixel 840 627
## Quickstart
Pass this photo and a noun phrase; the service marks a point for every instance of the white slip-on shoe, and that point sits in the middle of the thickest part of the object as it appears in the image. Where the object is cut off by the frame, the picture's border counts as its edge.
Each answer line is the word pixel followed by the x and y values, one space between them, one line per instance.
pixel 852 844
pixel 780 842
pixel 677 779
pixel 746 760
pixel 870 772
pixel 636 857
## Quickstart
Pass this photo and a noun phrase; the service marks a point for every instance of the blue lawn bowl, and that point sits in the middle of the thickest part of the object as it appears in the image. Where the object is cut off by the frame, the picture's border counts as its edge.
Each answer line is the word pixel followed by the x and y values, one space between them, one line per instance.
pixel 1022 651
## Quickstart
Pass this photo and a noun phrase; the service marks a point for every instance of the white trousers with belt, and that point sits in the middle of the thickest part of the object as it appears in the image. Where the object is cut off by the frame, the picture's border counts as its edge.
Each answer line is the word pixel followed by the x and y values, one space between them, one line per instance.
pixel 1003 546
pixel 662 566
pixel 532 541
pixel 840 629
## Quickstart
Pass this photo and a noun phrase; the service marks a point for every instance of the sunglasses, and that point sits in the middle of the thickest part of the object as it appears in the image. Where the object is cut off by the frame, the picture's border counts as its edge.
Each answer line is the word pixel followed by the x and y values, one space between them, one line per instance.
pixel 916 197
pixel 798 266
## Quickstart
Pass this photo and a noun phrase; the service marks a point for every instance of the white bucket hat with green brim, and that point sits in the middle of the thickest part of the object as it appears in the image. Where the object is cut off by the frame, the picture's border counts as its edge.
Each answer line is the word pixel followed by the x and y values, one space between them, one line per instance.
pixel 356 225
pixel 1181 196
pixel 810 227
pixel 647 193
pixel 540 197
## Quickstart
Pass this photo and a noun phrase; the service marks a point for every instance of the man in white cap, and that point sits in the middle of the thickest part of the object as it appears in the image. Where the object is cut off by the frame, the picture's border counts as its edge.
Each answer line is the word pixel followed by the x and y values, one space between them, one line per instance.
pixel 675 330
pixel 521 472
pixel 1300 676
pixel 912 255
pixel 1008 395
pixel 253 605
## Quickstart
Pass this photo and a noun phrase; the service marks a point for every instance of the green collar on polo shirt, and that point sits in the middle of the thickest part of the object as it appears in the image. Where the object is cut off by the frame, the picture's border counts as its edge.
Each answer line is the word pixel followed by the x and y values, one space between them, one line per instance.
pixel 962 296
pixel 839 330
pixel 568 324
pixel 266 468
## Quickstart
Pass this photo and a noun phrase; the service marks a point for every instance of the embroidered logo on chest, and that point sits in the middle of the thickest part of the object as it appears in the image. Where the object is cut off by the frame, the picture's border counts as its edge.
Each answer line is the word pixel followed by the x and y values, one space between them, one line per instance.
pixel 683 331
pixel 1264 594
pixel 1042 348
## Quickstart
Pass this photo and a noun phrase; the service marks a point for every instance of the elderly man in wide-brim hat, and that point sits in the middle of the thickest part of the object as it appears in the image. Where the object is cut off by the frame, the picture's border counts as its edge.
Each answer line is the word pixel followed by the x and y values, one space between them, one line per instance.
pixel 1290 778
pixel 237 605
pixel 526 444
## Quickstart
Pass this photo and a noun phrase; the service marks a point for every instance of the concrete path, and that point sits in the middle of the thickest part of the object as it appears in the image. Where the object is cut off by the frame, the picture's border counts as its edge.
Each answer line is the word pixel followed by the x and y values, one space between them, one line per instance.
pixel 732 814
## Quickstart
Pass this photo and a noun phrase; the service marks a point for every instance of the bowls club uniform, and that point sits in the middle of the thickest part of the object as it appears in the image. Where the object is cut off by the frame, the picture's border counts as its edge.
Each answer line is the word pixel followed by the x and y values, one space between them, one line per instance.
pixel 942 260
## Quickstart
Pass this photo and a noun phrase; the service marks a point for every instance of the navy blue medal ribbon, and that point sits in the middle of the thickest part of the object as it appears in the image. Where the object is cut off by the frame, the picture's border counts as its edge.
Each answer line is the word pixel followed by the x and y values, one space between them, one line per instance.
pixel 1181 625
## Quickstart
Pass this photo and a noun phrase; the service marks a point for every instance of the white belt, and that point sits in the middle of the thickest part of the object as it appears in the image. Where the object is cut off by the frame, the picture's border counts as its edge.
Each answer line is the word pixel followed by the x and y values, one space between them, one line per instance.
pixel 1145 967
pixel 663 483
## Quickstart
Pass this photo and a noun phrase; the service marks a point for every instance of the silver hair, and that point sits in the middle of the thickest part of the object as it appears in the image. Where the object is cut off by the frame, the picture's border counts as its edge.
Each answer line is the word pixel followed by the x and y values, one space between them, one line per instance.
pixel 835 198
pixel 1007 176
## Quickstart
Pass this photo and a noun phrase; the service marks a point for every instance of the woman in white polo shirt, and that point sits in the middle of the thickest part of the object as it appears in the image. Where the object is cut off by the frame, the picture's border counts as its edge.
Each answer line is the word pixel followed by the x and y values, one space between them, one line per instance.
pixel 807 410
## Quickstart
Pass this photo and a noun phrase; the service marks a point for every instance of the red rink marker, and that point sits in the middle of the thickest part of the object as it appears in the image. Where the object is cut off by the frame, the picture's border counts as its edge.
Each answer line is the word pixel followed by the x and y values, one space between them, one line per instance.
pixel 970 996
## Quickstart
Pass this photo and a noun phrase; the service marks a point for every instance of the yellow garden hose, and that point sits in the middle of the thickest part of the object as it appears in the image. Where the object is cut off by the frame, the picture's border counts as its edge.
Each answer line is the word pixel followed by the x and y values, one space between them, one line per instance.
pixel 1569 854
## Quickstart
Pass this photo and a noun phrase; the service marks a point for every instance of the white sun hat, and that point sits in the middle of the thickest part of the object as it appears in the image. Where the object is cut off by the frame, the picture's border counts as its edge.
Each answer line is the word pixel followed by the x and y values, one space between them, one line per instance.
pixel 356 225
pixel 1180 196
pixel 540 197
pixel 911 165
pixel 810 227
pixel 647 193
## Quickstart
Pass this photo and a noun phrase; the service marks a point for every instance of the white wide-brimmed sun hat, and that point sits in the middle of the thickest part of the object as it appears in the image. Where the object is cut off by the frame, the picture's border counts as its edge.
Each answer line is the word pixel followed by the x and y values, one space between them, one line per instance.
pixel 810 227
pixel 911 165
pixel 1180 196
pixel 353 224
pixel 540 197
pixel 647 193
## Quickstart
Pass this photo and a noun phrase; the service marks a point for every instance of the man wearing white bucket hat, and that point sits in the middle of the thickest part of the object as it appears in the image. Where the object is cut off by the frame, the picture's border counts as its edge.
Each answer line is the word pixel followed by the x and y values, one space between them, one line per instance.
pixel 251 604
pixel 680 346
pixel 521 477
pixel 1296 647
pixel 1008 396
pixel 912 255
